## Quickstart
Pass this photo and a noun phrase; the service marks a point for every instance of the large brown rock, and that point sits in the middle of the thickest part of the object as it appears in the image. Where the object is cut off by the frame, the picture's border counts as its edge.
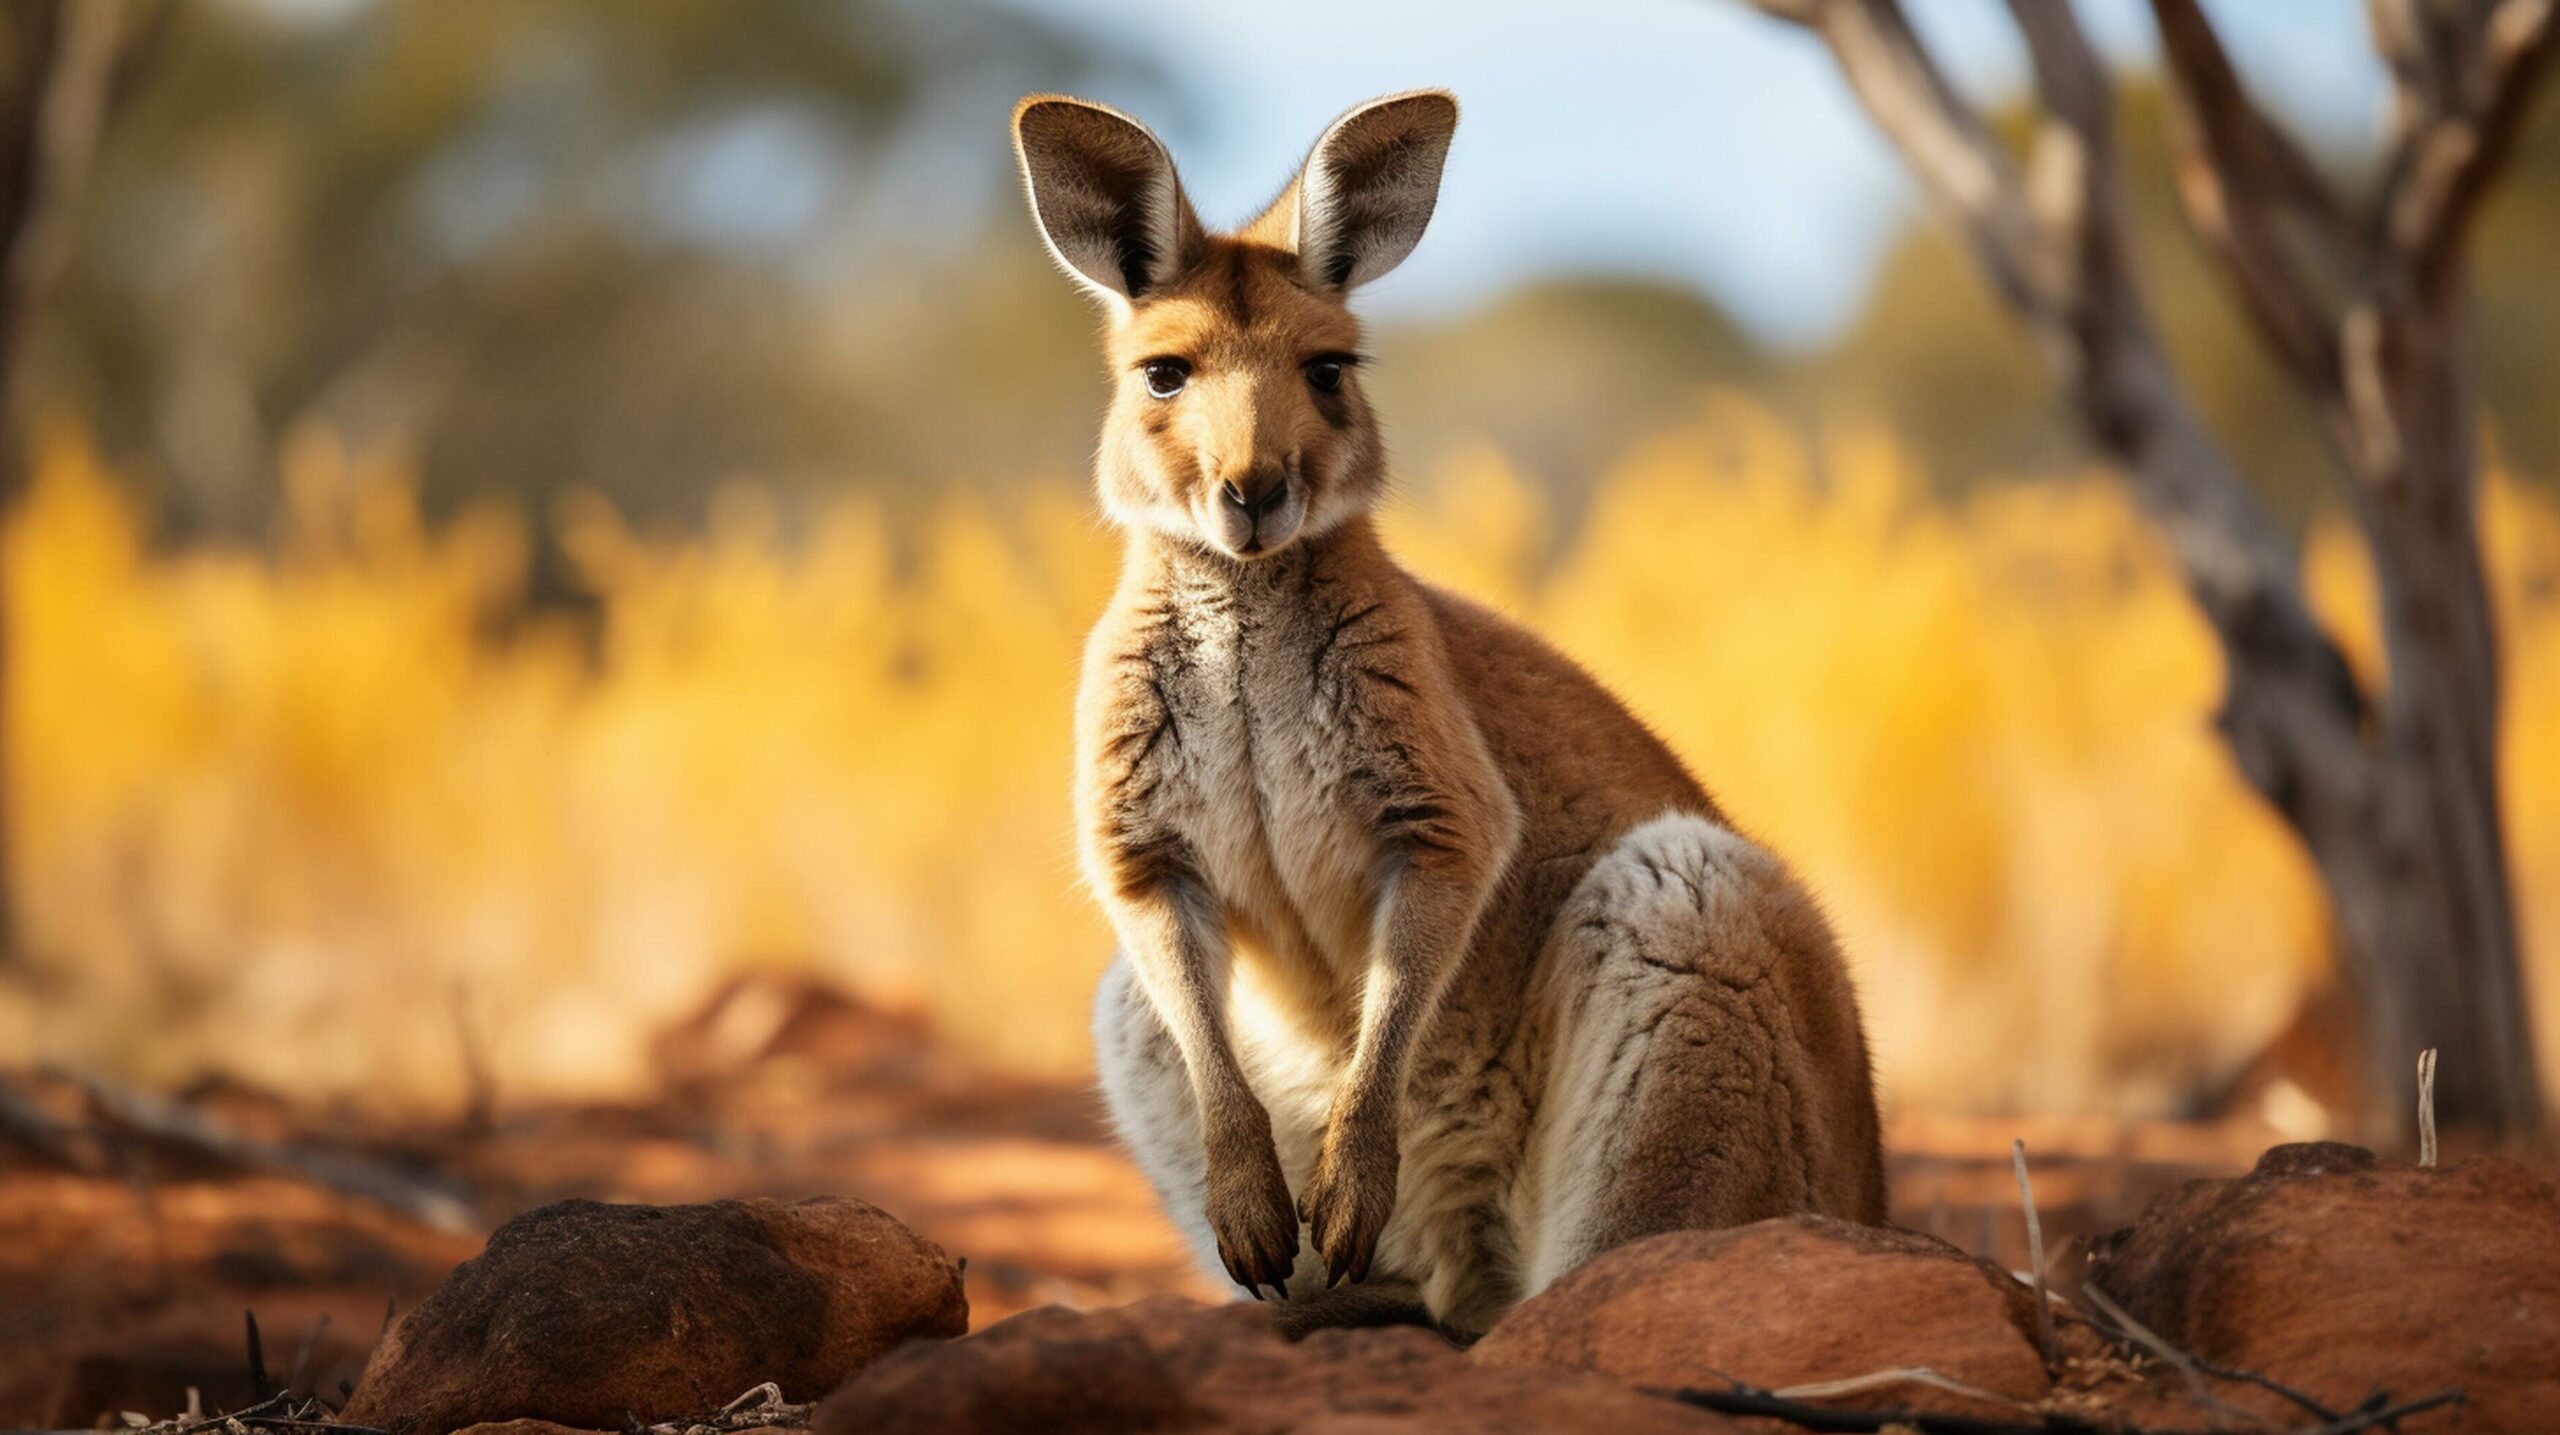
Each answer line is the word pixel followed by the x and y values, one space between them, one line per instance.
pixel 1785 1302
pixel 1168 1364
pixel 586 1314
pixel 2338 1274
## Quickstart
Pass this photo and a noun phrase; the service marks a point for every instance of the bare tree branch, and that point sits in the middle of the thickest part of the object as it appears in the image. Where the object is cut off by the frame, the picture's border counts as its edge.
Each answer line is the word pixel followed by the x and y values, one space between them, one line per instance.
pixel 2412 38
pixel 2398 806
pixel 53 77
pixel 32 34
pixel 1947 145
pixel 2060 258
pixel 2072 186
pixel 2294 254
pixel 2447 161
pixel 62 56
pixel 2071 173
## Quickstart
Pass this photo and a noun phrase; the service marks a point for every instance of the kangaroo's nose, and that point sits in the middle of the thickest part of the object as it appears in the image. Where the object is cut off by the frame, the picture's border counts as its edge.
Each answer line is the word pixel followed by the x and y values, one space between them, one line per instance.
pixel 1255 497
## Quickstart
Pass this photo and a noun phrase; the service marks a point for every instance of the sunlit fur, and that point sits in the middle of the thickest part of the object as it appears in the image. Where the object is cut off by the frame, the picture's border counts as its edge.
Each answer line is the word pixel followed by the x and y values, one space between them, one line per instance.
pixel 1427 945
pixel 1249 414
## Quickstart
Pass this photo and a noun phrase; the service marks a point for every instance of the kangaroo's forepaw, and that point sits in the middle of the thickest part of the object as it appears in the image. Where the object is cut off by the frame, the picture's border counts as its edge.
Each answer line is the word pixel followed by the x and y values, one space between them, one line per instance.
pixel 1348 1202
pixel 1254 1221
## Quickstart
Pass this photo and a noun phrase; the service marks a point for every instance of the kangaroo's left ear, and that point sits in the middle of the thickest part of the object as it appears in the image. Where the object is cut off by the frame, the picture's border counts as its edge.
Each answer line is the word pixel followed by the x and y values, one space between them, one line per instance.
pixel 1369 187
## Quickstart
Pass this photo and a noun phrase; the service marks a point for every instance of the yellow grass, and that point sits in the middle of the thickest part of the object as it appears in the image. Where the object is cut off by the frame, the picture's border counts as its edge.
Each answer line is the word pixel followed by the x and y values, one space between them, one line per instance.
pixel 273 813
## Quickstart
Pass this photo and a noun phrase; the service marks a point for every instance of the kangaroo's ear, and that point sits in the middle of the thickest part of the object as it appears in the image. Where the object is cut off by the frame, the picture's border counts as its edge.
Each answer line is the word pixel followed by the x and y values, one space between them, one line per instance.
pixel 1105 195
pixel 1369 187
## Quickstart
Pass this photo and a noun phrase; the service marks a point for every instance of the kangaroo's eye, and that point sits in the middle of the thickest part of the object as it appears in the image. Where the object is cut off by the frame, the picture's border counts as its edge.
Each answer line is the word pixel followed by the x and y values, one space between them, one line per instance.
pixel 1165 377
pixel 1324 375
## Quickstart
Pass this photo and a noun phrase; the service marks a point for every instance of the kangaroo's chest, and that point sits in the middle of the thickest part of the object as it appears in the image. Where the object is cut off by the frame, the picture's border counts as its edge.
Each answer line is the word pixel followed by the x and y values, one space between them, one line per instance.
pixel 1264 788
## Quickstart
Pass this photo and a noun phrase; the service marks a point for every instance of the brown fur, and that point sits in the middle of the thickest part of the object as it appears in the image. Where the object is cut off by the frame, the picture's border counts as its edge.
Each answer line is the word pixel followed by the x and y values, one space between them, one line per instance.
pixel 1381 862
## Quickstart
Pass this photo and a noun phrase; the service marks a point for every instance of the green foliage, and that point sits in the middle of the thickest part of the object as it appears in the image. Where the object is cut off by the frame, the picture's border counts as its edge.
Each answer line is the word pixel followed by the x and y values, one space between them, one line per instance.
pixel 467 227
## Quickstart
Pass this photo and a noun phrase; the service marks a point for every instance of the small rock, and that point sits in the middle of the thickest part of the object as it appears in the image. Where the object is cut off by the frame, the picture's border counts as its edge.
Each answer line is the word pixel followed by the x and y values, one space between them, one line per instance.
pixel 1791 1301
pixel 590 1315
pixel 1051 1370
pixel 1171 1364
pixel 2340 1275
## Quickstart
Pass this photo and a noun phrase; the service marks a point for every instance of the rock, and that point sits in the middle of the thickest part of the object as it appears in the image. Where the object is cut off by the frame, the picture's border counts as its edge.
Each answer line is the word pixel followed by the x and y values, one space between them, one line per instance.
pixel 1785 1302
pixel 1170 1364
pixel 2338 1274
pixel 588 1315
pixel 1050 1369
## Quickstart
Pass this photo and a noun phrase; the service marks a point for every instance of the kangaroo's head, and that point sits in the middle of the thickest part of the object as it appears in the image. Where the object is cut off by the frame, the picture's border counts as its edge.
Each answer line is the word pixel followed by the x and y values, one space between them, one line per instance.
pixel 1237 419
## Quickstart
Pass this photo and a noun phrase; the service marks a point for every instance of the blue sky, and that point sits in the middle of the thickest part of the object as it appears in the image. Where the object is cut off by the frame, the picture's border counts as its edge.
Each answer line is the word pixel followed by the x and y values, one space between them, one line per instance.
pixel 1690 139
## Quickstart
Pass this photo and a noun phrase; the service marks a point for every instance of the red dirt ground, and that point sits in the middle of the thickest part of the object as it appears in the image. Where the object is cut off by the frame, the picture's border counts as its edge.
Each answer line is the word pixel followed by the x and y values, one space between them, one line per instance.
pixel 128 1260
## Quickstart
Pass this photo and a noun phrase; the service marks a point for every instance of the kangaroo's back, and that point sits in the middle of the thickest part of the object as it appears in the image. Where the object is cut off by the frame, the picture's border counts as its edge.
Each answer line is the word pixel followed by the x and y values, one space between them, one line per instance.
pixel 1585 767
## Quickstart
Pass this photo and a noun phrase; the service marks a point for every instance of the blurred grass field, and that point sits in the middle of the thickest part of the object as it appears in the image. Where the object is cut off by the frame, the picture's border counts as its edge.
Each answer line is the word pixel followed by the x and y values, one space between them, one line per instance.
pixel 323 815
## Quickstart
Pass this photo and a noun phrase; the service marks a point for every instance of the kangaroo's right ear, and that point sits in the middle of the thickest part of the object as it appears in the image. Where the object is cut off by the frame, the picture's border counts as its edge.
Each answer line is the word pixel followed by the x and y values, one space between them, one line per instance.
pixel 1105 195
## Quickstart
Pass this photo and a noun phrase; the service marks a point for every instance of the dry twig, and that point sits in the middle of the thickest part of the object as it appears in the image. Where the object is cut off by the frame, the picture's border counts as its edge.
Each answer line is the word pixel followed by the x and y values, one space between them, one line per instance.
pixel 759 1409
pixel 302 1352
pixel 2045 1344
pixel 2427 1107
pixel 479 1082
pixel 2185 1364
pixel 280 1412
pixel 1900 1375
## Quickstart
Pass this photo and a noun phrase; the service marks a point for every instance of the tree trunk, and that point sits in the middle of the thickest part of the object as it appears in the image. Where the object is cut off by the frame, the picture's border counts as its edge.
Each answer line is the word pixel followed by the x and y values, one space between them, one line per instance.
pixel 2420 881
pixel 2395 795
pixel 59 63
pixel 33 28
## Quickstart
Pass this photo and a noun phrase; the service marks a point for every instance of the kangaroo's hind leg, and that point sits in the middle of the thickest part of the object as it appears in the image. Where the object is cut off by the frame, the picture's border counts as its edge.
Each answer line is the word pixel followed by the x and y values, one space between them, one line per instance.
pixel 1148 1095
pixel 1706 1063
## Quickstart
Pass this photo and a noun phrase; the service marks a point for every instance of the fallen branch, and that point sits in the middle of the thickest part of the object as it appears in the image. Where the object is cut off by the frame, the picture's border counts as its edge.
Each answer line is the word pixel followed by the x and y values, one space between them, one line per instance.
pixel 2380 1412
pixel 173 1123
pixel 2126 1329
pixel 24 1123
pixel 2315 1408
pixel 2129 1329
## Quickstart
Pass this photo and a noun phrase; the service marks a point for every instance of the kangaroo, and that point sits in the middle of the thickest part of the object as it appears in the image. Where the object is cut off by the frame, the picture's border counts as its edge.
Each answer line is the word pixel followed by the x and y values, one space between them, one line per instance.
pixel 1425 943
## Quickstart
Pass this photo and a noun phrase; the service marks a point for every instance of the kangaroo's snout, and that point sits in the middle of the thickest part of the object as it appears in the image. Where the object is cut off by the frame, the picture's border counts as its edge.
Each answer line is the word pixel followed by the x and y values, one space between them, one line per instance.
pixel 1259 511
pixel 1256 496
